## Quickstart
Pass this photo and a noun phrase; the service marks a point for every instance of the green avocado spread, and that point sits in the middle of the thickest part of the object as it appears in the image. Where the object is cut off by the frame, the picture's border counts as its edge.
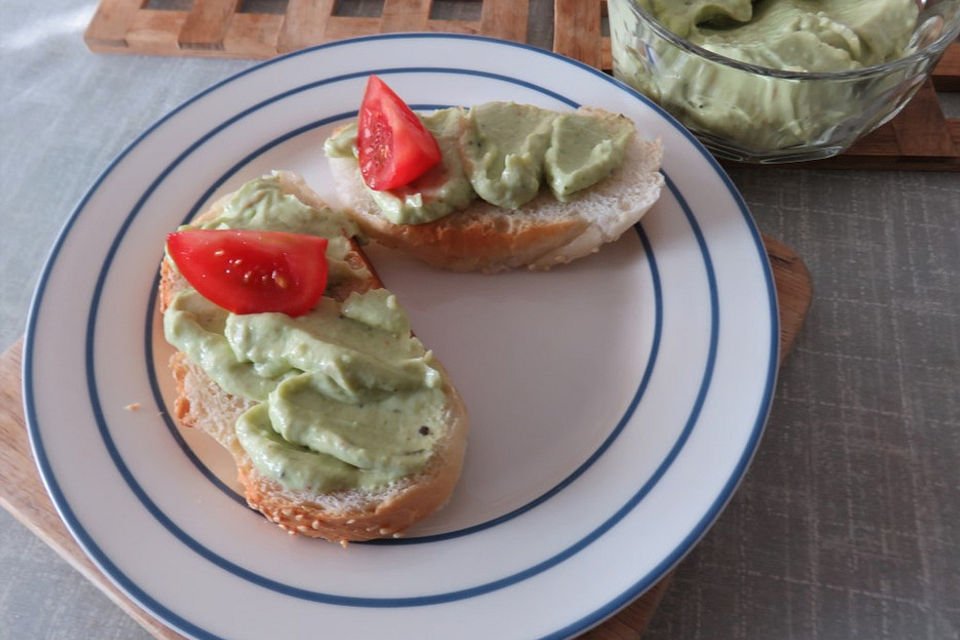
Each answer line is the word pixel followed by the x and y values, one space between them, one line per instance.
pixel 793 35
pixel 756 110
pixel 503 153
pixel 347 397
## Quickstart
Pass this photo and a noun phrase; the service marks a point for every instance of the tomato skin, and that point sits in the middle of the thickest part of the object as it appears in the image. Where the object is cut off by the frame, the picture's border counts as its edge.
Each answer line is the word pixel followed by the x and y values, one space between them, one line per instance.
pixel 393 146
pixel 247 271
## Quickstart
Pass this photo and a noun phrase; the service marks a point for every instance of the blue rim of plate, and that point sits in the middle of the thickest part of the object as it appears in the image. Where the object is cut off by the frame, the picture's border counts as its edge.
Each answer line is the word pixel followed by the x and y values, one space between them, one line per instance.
pixel 587 620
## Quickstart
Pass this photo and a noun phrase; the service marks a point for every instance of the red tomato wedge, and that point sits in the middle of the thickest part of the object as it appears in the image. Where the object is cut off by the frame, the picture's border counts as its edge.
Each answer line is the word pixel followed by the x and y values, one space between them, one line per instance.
pixel 393 146
pixel 252 271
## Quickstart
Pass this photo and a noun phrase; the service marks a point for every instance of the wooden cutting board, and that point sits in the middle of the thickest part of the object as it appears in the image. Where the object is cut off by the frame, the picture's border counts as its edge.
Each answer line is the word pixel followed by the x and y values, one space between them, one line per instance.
pixel 22 494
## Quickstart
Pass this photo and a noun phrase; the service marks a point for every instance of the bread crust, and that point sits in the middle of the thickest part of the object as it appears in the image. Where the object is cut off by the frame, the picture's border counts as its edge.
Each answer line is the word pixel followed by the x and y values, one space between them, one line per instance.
pixel 539 235
pixel 347 515
pixel 458 244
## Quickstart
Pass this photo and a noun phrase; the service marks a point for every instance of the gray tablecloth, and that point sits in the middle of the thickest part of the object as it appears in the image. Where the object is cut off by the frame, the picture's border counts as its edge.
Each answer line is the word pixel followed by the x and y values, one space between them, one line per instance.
pixel 846 526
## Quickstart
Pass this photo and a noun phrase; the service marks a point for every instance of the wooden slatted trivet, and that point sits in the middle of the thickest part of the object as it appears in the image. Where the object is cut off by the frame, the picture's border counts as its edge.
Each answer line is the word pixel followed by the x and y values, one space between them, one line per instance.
pixel 222 29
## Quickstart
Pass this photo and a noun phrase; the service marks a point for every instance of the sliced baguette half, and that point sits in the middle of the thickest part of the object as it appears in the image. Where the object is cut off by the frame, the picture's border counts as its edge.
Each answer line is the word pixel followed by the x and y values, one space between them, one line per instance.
pixel 539 235
pixel 346 515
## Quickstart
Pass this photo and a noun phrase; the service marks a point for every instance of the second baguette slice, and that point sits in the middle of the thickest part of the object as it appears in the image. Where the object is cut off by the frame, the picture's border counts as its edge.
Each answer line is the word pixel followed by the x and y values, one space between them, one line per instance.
pixel 539 235
pixel 346 515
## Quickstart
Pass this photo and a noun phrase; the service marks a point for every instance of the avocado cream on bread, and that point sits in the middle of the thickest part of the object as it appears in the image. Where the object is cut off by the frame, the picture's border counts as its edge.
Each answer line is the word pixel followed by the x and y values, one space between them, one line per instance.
pixel 500 185
pixel 292 355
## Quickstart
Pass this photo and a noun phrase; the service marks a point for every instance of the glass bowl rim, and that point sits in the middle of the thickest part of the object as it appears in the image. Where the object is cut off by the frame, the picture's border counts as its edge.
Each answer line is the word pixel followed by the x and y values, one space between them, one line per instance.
pixel 932 49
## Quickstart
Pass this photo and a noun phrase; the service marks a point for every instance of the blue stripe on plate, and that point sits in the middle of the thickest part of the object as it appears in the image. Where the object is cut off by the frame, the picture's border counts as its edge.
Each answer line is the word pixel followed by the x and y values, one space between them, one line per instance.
pixel 96 553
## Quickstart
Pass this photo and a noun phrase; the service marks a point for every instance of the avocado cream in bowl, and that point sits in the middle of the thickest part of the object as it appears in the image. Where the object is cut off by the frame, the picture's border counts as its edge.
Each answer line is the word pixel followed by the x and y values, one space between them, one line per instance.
pixel 780 80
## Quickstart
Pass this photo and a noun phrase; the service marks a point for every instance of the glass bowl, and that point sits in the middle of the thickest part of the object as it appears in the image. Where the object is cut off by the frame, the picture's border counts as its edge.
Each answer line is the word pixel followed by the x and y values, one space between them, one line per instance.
pixel 750 113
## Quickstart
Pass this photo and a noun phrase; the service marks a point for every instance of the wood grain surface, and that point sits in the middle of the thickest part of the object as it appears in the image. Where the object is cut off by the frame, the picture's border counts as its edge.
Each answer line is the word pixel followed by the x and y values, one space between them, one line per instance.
pixel 22 493
pixel 222 29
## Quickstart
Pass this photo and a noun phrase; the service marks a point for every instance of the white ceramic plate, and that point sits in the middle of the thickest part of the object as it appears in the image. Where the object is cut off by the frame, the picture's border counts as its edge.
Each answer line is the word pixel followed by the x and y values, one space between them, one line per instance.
pixel 615 403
